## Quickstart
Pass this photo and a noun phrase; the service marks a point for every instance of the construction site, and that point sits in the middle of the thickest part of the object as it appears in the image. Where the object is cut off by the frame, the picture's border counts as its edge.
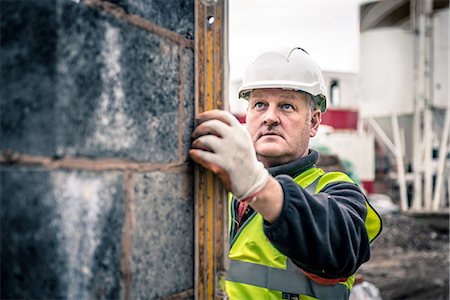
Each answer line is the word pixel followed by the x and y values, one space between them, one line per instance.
pixel 98 102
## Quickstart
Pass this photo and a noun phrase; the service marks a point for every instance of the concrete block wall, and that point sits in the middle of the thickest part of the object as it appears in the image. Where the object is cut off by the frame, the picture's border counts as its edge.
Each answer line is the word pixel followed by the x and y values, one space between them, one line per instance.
pixel 97 108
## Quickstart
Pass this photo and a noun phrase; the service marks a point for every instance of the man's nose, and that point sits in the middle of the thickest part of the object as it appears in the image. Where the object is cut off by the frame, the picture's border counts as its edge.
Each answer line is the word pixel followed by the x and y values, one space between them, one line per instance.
pixel 271 117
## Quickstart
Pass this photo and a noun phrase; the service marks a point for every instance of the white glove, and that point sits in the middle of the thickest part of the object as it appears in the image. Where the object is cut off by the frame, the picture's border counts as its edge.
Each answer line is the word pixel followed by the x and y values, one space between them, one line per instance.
pixel 225 147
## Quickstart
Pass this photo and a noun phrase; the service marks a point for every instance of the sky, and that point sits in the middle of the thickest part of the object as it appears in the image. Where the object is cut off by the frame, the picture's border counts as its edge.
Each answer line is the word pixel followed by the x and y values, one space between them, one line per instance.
pixel 327 29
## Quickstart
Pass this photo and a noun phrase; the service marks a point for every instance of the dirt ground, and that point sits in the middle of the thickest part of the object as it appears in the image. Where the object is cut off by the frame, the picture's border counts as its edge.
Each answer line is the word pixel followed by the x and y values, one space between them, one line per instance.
pixel 410 259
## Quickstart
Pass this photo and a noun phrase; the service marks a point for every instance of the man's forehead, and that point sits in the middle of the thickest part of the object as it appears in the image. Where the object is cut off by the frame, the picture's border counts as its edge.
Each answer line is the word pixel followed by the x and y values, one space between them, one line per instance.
pixel 287 94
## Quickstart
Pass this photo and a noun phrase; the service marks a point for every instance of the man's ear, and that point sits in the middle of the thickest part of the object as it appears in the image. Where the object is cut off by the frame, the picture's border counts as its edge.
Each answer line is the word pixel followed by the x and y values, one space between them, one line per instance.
pixel 316 118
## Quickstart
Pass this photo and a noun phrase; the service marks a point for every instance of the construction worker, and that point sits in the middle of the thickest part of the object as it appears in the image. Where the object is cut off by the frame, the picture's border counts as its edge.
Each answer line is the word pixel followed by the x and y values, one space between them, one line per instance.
pixel 296 232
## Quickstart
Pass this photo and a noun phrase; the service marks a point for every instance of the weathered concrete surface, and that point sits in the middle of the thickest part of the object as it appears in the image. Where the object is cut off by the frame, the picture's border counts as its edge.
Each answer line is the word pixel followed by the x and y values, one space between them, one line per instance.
pixel 27 78
pixel 163 235
pixel 89 84
pixel 134 112
pixel 83 84
pixel 61 234
pixel 177 16
pixel 188 101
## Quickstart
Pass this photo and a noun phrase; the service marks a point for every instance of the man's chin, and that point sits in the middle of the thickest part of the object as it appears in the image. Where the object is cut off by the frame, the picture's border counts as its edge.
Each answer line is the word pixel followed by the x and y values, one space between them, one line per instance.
pixel 270 152
pixel 272 158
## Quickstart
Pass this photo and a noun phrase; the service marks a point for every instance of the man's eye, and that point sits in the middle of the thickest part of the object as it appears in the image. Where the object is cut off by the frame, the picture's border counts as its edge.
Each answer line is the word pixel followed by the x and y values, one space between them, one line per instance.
pixel 259 105
pixel 287 106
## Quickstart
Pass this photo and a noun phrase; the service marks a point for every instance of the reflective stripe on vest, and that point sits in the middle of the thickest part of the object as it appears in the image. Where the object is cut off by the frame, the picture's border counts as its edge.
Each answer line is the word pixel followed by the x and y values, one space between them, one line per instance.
pixel 288 281
pixel 313 186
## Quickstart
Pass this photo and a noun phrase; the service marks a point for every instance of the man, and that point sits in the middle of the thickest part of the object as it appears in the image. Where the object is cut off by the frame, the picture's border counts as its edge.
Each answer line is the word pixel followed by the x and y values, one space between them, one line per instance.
pixel 296 232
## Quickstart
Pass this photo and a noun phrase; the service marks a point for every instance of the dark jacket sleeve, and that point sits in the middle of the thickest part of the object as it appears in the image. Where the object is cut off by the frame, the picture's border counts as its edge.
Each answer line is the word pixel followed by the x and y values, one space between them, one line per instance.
pixel 324 233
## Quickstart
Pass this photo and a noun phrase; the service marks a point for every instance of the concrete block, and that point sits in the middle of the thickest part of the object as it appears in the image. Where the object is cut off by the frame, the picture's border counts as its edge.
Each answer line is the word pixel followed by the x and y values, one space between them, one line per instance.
pixel 188 80
pixel 131 109
pixel 80 82
pixel 177 15
pixel 163 241
pixel 61 234
pixel 27 76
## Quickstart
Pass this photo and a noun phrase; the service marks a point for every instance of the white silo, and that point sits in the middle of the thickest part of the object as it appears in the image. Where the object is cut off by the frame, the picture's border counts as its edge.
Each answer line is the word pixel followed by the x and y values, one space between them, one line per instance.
pixel 404 93
pixel 387 72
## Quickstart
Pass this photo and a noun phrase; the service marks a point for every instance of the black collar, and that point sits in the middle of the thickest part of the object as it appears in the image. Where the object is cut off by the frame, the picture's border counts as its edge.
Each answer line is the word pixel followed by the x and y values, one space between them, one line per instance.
pixel 296 167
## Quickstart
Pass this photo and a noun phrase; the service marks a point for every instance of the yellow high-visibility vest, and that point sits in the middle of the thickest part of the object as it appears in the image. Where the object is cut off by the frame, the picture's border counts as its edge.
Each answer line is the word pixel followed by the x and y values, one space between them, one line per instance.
pixel 258 270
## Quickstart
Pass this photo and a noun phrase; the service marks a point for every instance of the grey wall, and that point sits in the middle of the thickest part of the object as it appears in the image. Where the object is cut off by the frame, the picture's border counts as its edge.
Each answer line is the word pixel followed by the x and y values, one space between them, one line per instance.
pixel 97 103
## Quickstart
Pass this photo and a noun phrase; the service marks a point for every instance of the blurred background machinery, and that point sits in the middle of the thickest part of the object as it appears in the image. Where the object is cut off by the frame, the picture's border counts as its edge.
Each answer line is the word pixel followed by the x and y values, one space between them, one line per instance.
pixel 405 98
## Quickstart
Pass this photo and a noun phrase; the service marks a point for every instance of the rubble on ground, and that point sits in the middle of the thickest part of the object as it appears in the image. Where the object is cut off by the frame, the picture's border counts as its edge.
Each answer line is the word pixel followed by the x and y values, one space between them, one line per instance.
pixel 410 260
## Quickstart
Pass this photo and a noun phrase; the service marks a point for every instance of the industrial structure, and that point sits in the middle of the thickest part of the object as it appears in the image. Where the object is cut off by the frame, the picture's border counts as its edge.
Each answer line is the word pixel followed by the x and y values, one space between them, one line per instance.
pixel 405 95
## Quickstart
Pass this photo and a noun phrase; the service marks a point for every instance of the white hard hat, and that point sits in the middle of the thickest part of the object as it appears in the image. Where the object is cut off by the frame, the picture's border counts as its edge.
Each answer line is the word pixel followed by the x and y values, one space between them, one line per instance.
pixel 298 71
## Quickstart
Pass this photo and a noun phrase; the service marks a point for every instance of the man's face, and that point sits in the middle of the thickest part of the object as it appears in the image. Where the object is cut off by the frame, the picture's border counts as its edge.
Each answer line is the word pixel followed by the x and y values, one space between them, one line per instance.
pixel 279 123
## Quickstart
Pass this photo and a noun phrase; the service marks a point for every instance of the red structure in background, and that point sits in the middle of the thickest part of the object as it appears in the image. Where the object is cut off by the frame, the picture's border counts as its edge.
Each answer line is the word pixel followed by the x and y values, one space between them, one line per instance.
pixel 341 118
pixel 368 186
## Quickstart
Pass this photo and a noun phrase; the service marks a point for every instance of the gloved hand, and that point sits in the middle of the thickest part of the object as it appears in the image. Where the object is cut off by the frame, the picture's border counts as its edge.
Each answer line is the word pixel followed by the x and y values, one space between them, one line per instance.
pixel 222 145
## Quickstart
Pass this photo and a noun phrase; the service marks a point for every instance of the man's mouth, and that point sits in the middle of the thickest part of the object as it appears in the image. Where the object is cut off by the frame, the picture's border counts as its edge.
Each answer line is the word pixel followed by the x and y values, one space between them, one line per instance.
pixel 270 133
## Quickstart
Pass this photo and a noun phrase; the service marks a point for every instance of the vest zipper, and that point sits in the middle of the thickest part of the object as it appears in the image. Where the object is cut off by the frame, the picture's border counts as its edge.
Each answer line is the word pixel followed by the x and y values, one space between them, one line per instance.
pixel 234 236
